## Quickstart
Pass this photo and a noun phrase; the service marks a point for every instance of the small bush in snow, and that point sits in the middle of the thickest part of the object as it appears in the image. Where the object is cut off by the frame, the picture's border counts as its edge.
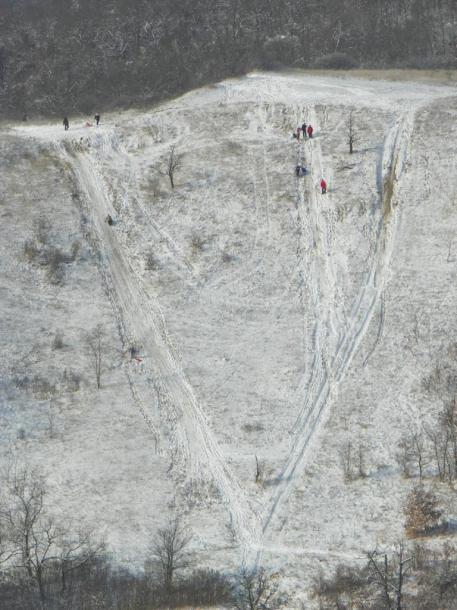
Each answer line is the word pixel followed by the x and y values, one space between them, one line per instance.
pixel 152 262
pixel 30 250
pixel 57 342
pixel 42 230
pixel 198 243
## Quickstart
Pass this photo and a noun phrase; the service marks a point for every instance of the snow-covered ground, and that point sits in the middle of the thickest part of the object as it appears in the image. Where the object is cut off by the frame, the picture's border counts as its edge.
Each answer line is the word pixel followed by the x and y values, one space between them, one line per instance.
pixel 271 321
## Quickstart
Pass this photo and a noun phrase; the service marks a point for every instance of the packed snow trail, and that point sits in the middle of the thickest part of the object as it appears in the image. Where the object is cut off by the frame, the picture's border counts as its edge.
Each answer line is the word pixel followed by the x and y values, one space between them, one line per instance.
pixel 147 326
pixel 324 379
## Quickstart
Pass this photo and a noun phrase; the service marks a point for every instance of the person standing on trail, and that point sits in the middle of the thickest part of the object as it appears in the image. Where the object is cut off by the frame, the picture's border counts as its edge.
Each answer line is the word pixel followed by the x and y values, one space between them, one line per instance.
pixel 298 133
pixel 323 187
pixel 66 123
pixel 97 118
pixel 303 128
pixel 310 131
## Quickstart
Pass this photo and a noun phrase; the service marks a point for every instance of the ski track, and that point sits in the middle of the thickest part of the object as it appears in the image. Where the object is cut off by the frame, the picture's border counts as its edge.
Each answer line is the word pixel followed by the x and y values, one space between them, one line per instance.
pixel 197 445
pixel 324 381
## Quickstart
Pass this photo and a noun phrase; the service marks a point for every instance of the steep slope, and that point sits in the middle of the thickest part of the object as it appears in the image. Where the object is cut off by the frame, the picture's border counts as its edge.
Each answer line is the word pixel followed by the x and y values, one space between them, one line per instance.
pixel 258 308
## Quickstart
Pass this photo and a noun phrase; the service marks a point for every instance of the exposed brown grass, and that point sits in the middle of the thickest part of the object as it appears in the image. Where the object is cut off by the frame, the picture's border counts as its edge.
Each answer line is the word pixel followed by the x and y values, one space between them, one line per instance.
pixel 426 76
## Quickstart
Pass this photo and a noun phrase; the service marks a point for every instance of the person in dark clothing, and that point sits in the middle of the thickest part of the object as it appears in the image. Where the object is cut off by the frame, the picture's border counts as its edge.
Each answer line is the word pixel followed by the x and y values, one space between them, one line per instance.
pixel 66 123
pixel 303 129
pixel 110 220
pixel 97 118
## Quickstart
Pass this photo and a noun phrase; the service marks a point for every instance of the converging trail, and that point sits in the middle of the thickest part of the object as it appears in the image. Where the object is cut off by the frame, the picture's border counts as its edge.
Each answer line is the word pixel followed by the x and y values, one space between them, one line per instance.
pixel 336 340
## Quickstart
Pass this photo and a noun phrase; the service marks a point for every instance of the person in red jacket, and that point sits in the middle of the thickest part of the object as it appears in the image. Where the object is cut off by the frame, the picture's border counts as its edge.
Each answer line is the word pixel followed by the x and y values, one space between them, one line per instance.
pixel 310 131
pixel 323 186
pixel 298 133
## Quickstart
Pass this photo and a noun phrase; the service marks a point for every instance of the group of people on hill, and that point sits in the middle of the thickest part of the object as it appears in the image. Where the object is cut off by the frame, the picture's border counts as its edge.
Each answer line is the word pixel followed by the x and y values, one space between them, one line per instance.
pixel 66 122
pixel 304 130
pixel 300 169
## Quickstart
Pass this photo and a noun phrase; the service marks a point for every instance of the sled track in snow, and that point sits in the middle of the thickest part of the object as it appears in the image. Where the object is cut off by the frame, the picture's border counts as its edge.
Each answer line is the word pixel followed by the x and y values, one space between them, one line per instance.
pixel 324 382
pixel 111 144
pixel 143 321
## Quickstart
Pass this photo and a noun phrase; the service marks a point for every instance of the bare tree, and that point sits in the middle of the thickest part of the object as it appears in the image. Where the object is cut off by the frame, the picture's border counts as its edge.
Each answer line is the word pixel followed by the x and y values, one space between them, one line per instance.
pixel 413 453
pixel 33 535
pixel 170 551
pixel 77 551
pixel 257 589
pixel 353 461
pixel 388 575
pixel 23 511
pixel 95 341
pixel 440 445
pixel 172 165
pixel 32 540
pixel 352 137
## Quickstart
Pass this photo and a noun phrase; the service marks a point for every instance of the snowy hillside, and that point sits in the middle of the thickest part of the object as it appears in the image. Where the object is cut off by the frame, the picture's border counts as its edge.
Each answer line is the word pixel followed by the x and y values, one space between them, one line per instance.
pixel 269 321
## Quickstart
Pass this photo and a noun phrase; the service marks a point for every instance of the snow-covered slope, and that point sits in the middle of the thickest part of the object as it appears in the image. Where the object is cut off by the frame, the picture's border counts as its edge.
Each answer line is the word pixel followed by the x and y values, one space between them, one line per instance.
pixel 270 320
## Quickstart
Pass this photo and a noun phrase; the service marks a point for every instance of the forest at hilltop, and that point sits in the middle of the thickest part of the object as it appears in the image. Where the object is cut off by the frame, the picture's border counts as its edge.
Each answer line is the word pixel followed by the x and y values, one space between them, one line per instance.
pixel 67 56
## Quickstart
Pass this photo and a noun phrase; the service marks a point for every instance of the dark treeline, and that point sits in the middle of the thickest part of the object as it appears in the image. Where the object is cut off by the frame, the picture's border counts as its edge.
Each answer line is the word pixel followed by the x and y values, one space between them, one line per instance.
pixel 60 56
pixel 98 585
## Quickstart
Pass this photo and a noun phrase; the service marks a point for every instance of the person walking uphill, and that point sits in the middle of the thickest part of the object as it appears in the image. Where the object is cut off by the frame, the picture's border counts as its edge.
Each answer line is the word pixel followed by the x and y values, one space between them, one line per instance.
pixel 97 118
pixel 323 187
pixel 303 128
pixel 310 131
pixel 66 123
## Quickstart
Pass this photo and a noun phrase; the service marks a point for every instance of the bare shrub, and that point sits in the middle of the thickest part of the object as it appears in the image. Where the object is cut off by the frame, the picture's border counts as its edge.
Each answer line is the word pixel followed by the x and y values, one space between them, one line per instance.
pixel 352 458
pixel 54 259
pixel 345 589
pixel 227 258
pixel 421 511
pixel 71 381
pixel 152 263
pixel 42 230
pixel 257 589
pixel 31 252
pixel 38 386
pixel 202 588
pixel 57 342
pixel 154 187
pixel 197 243
pixel 413 454
pixel 253 427
pixel 75 250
